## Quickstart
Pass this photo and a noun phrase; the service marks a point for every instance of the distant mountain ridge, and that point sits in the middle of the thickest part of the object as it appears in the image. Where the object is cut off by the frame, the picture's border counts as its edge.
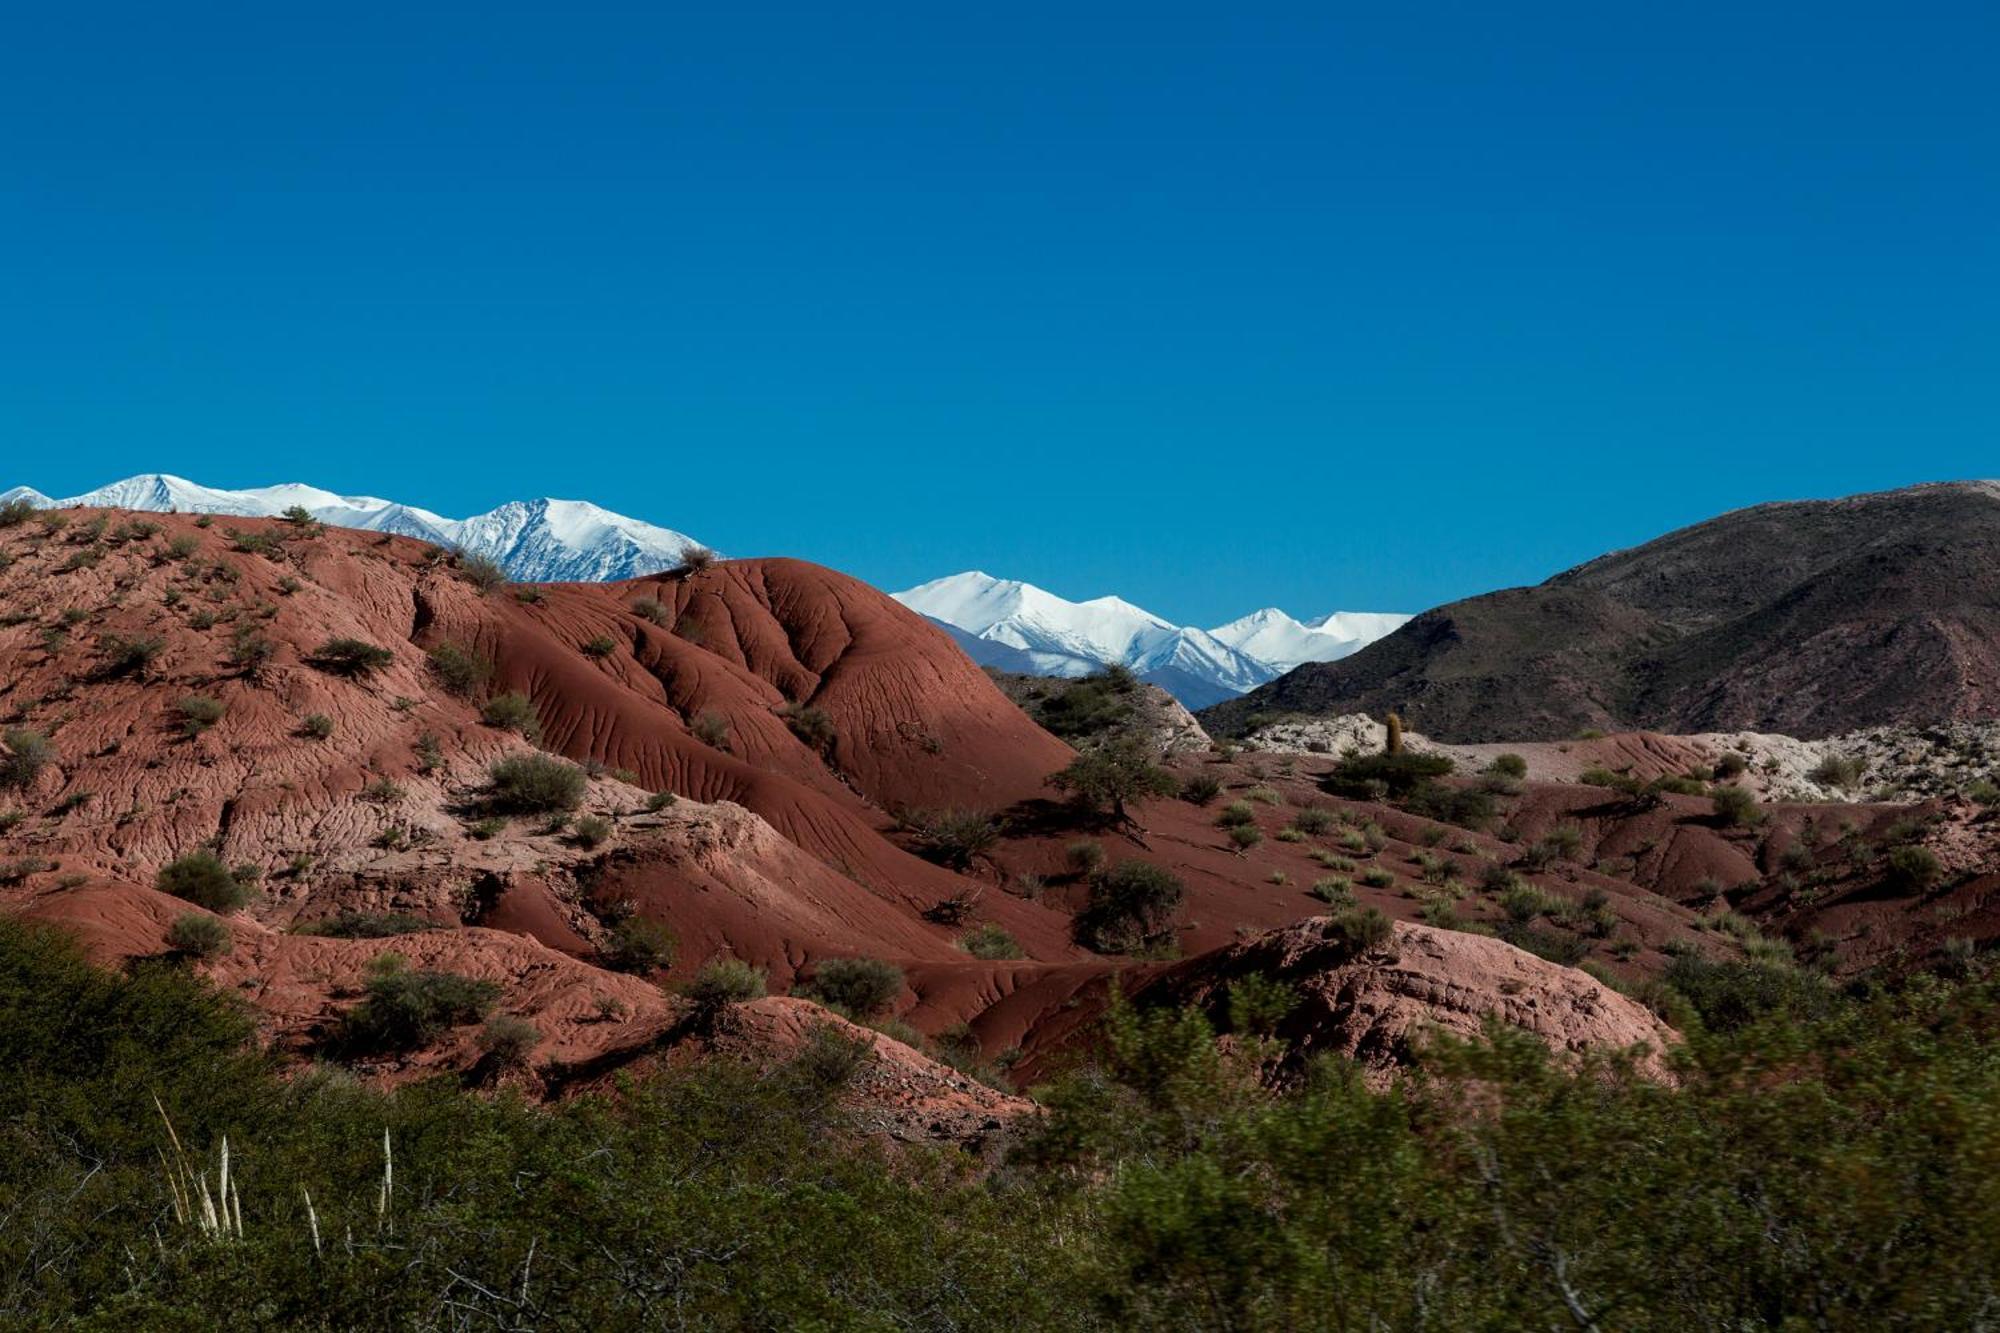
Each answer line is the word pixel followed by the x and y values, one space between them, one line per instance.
pixel 1809 618
pixel 1019 627
pixel 535 541
pixel 1011 626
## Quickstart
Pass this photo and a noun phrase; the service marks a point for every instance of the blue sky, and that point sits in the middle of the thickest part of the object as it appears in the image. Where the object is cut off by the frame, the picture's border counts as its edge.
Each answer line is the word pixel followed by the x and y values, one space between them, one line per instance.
pixel 1215 306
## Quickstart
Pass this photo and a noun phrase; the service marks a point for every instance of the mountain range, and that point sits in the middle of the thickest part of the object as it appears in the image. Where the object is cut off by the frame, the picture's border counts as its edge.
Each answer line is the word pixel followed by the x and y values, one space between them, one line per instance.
pixel 1015 626
pixel 1810 618
pixel 535 541
pixel 1003 624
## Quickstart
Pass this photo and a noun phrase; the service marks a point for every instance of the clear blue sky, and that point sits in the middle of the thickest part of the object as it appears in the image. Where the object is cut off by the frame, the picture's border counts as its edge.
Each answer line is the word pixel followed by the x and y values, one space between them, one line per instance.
pixel 1320 305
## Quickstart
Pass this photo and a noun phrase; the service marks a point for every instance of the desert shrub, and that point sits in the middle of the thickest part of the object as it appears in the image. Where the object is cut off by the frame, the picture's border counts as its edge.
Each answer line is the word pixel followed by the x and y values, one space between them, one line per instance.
pixel 723 982
pixel 641 944
pixel 1334 890
pixel 1256 1004
pixel 659 801
pixel 990 941
pixel 600 647
pixel 1376 877
pixel 406 1009
pixel 528 784
pixel 128 656
pixel 591 831
pixel 353 658
pixel 1729 995
pixel 1360 930
pixel 952 837
pixel 711 729
pixel 649 609
pixel 17 869
pixel 459 669
pixel 480 571
pixel 509 1042
pixel 1312 820
pixel 1368 776
pixel 199 712
pixel 1837 770
pixel 1508 766
pixel 1119 774
pixel 13 513
pixel 1244 836
pixel 1236 813
pixel 1730 766
pixel 860 987
pixel 1201 788
pixel 1467 807
pixel 813 726
pixel 28 752
pixel 1131 907
pixel 199 935
pixel 514 712
pixel 317 726
pixel 1734 806
pixel 1084 856
pixel 694 559
pixel 351 925
pixel 1096 705
pixel 1913 867
pixel 249 650
pixel 204 880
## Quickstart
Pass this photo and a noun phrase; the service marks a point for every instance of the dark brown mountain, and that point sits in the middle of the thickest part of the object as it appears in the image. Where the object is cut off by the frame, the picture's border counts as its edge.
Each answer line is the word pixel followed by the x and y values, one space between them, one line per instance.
pixel 1809 618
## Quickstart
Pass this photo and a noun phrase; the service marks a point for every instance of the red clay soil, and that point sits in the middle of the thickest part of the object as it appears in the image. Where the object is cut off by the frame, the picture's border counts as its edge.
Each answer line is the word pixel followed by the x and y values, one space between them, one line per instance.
pixel 782 847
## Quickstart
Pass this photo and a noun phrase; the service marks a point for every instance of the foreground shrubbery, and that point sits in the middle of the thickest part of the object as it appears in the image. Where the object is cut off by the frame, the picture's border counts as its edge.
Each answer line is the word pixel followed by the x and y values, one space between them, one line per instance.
pixel 1827 1172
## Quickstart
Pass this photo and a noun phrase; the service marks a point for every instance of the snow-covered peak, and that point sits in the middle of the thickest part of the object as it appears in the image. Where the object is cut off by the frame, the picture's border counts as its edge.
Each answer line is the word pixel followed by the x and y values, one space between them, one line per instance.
pixel 534 540
pixel 1059 637
pixel 1284 642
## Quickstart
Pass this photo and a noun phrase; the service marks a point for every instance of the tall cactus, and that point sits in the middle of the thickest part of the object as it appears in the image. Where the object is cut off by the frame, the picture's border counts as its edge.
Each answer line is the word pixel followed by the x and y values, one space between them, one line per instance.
pixel 1394 743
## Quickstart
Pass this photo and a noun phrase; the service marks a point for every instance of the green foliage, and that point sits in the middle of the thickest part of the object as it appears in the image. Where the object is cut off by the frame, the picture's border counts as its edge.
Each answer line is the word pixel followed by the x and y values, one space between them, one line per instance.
pixel 1257 1004
pixel 1131 907
pixel 600 647
pixel 482 572
pixel 1838 770
pixel 1508 766
pixel 406 1009
pixel 858 987
pixel 650 609
pixel 952 837
pixel 199 935
pixel 203 879
pixel 641 944
pixel 351 925
pixel 316 726
pixel 508 1042
pixel 990 941
pixel 125 656
pixel 1734 806
pixel 531 784
pixel 723 982
pixel 353 658
pixel 813 726
pixel 1913 868
pixel 1201 788
pixel 27 753
pixel 460 670
pixel 514 712
pixel 1085 856
pixel 591 831
pixel 1372 776
pixel 199 712
pixel 711 729
pixel 1094 706
pixel 1121 772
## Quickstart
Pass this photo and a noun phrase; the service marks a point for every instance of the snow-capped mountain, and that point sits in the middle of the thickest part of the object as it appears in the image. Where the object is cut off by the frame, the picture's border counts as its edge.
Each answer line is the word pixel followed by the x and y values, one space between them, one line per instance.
pixel 1016 626
pixel 535 541
pixel 1274 637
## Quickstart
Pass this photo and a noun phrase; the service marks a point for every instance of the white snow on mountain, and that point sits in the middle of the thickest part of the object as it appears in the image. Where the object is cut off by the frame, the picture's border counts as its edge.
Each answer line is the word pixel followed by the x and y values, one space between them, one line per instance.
pixel 1053 636
pixel 536 541
pixel 1274 637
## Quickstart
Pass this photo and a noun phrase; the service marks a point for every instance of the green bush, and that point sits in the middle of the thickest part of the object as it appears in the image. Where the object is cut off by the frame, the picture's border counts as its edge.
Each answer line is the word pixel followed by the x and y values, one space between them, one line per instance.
pixel 199 712
pixel 199 935
pixel 1119 774
pixel 1130 908
pixel 813 726
pixel 1914 868
pixel 532 784
pixel 1396 775
pixel 1837 770
pixel 459 669
pixel 859 987
pixel 353 658
pixel 128 656
pixel 512 712
pixel 1734 806
pixel 641 944
pixel 600 647
pixel 1508 766
pixel 508 1042
pixel 1359 930
pixel 952 837
pixel 1201 788
pixel 406 1009
pixel 482 572
pixel 316 726
pixel 989 941
pixel 711 729
pixel 591 831
pixel 723 982
pixel 28 752
pixel 1084 856
pixel 202 879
